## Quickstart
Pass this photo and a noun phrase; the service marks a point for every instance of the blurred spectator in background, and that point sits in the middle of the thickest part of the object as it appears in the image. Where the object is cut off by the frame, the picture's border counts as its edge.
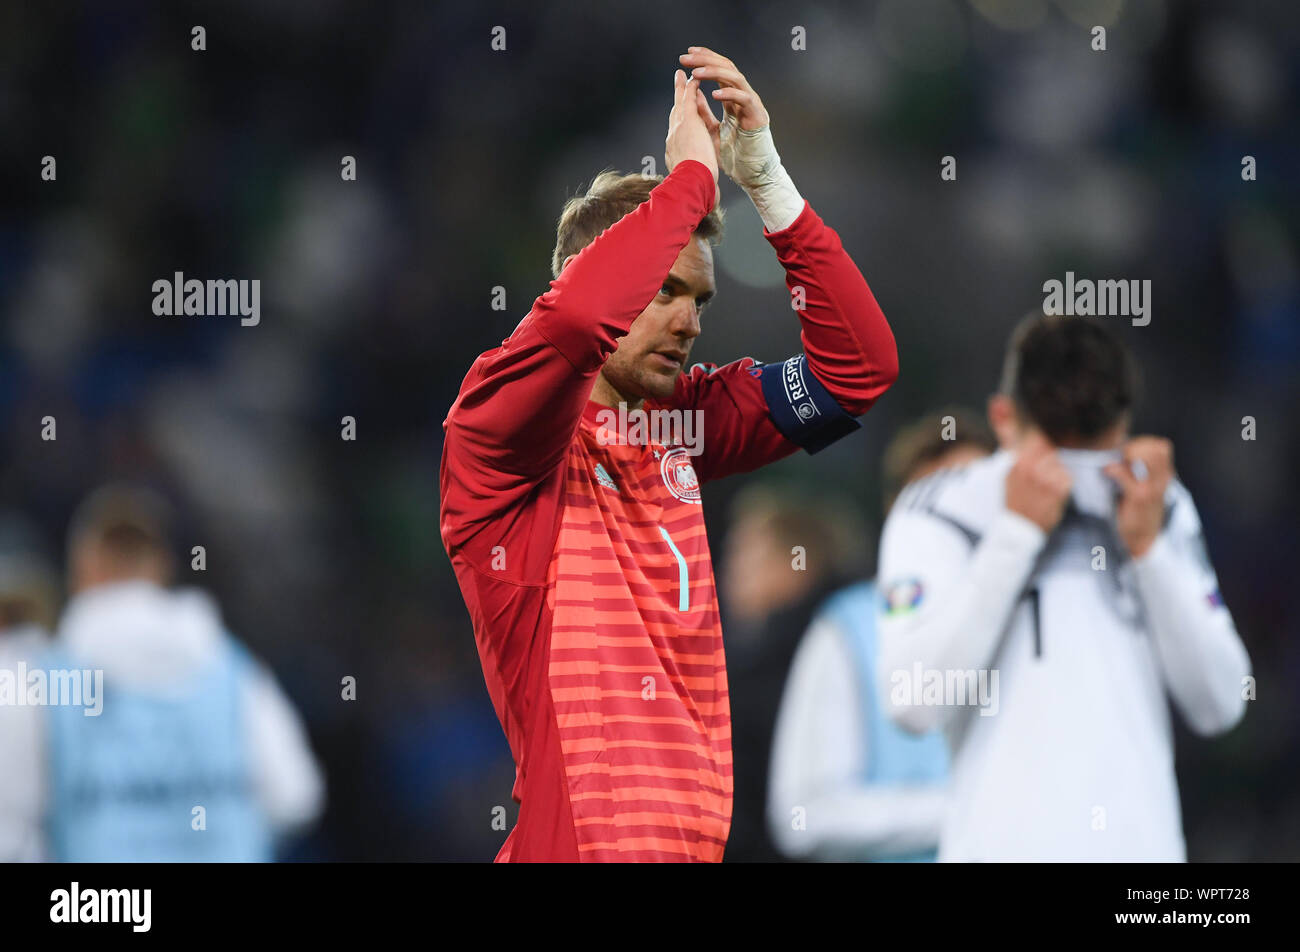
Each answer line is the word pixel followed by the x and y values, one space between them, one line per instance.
pixel 846 783
pixel 784 554
pixel 28 604
pixel 189 720
pixel 942 440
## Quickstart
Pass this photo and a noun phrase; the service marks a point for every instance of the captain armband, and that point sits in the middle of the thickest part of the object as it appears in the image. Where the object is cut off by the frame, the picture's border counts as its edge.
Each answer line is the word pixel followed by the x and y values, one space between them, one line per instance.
pixel 802 409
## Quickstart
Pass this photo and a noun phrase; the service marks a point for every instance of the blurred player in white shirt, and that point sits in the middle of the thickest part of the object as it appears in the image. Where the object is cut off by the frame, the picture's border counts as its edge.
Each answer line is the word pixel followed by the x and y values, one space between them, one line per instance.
pixel 28 605
pixel 189 718
pixel 846 784
pixel 1041 605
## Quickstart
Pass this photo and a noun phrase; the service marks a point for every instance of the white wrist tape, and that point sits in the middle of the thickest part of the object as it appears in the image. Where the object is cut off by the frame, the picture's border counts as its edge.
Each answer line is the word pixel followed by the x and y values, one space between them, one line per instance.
pixel 749 158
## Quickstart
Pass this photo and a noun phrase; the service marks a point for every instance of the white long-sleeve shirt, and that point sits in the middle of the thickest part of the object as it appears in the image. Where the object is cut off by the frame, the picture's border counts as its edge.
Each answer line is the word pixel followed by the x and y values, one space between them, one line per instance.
pixel 1073 757
pixel 149 638
pixel 22 783
pixel 819 758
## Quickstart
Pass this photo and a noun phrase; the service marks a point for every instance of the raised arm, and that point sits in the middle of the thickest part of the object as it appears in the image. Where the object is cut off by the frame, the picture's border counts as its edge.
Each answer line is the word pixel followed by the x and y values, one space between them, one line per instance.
pixel 1201 656
pixel 754 415
pixel 520 405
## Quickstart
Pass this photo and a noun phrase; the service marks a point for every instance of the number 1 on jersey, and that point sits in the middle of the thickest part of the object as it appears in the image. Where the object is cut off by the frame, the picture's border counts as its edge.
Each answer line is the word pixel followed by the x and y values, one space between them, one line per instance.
pixel 1036 613
pixel 683 577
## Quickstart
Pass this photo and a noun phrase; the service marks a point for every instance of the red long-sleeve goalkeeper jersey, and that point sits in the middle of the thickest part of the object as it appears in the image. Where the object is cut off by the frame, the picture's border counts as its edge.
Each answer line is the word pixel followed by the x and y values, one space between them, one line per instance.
pixel 583 558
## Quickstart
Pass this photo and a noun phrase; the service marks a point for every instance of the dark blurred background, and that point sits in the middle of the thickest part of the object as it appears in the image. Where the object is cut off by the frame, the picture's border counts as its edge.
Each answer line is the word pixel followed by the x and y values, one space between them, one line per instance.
pixel 376 297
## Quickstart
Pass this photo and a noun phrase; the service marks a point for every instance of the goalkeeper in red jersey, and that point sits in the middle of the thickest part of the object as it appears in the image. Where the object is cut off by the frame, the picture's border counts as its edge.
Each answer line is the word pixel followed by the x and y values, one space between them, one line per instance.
pixel 578 540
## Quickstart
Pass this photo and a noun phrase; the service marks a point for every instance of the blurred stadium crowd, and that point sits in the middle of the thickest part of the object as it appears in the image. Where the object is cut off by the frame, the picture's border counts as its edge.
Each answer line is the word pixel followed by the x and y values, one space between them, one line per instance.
pixel 377 294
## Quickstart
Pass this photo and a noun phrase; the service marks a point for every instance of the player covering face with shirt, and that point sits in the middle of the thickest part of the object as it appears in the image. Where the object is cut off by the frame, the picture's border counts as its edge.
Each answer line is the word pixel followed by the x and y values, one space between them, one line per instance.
pixel 579 545
pixel 1042 605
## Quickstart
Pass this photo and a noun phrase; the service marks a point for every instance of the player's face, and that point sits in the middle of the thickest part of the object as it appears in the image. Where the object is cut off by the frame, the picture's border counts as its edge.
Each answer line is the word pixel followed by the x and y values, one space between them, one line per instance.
pixel 657 346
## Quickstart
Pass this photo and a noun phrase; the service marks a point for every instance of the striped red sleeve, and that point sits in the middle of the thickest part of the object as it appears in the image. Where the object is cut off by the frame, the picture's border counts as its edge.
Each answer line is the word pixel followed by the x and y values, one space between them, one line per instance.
pixel 754 414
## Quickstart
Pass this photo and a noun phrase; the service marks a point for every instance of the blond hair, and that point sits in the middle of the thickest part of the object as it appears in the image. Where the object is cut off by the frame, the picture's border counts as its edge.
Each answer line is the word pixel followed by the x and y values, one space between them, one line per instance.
pixel 610 196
